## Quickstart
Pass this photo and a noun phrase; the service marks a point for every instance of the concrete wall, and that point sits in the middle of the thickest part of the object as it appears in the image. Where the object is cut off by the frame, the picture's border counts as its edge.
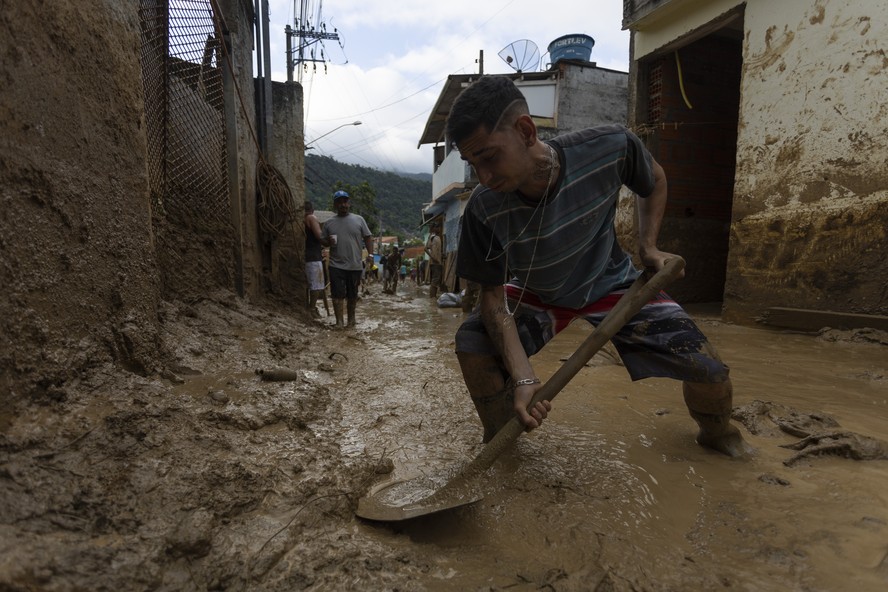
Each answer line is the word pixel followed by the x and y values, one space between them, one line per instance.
pixel 78 257
pixel 239 18
pixel 590 96
pixel 288 158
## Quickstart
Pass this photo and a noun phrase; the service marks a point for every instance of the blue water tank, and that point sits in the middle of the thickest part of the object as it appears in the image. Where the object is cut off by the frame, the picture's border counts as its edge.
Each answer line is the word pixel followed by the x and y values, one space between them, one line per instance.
pixel 571 47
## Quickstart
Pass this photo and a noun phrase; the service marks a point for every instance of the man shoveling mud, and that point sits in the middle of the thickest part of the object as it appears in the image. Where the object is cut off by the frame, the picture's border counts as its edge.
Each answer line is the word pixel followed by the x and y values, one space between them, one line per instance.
pixel 538 235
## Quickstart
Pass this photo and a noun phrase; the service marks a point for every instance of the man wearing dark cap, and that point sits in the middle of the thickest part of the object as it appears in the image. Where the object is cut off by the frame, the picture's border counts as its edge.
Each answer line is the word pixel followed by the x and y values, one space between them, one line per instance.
pixel 346 234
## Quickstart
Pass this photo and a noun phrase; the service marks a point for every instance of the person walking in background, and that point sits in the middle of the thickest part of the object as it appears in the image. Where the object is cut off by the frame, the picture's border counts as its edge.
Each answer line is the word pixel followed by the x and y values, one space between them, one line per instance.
pixel 392 265
pixel 383 261
pixel 538 235
pixel 314 265
pixel 435 250
pixel 346 234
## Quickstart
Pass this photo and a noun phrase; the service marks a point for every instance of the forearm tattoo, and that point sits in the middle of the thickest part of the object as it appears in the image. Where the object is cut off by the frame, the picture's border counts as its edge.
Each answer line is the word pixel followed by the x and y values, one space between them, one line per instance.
pixel 495 321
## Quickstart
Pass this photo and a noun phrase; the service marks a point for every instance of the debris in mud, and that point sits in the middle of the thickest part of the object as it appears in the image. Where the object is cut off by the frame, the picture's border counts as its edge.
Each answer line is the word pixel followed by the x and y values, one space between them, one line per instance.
pixel 840 443
pixel 763 418
pixel 219 397
pixel 384 467
pixel 171 376
pixel 819 432
pixel 278 374
pixel 773 480
pixel 334 357
pixel 863 335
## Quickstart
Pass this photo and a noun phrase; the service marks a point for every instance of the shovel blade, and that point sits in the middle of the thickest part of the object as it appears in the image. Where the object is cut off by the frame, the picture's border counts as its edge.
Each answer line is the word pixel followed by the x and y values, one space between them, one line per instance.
pixel 393 501
pixel 409 498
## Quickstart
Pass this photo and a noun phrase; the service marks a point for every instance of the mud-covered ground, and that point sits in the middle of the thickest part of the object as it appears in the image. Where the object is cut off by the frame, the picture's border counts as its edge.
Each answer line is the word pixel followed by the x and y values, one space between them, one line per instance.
pixel 211 478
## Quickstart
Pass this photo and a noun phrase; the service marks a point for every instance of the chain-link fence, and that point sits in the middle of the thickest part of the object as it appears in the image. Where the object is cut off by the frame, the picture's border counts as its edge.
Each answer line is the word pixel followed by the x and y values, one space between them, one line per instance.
pixel 185 115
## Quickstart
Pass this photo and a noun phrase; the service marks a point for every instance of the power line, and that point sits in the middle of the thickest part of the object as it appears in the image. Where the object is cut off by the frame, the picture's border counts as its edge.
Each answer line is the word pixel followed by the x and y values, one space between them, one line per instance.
pixel 373 110
pixel 387 105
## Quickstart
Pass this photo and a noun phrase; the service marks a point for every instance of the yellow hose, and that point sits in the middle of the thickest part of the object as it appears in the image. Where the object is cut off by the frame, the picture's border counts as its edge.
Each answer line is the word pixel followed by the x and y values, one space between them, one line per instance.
pixel 681 84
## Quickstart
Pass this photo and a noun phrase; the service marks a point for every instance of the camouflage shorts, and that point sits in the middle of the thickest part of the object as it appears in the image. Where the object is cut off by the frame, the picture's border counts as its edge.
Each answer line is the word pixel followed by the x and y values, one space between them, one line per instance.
pixel 660 341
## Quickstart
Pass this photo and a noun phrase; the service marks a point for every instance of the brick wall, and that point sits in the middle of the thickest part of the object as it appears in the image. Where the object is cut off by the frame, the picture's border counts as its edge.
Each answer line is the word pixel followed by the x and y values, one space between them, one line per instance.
pixel 696 147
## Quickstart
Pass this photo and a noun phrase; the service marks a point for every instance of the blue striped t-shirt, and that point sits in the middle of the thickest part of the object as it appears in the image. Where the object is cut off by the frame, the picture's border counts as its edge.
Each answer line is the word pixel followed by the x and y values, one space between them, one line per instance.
pixel 564 250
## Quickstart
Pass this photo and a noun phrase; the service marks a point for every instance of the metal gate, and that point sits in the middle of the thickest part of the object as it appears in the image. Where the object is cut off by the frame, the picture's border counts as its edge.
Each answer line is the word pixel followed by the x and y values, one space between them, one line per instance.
pixel 181 61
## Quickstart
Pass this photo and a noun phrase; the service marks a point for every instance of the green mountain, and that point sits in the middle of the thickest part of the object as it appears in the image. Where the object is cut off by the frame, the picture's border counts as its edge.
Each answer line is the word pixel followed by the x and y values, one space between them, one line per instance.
pixel 399 197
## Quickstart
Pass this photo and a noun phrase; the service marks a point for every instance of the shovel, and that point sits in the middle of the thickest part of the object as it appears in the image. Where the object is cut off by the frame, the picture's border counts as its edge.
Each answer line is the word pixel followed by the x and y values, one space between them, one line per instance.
pixel 400 500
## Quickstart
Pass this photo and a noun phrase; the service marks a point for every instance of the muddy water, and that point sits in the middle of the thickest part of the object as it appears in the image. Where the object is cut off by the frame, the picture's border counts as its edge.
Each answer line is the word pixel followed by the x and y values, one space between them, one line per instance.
pixel 613 491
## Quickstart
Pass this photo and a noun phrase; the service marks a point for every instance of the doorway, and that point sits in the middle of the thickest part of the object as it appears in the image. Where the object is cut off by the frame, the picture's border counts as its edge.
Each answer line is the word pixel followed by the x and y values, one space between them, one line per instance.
pixel 689 104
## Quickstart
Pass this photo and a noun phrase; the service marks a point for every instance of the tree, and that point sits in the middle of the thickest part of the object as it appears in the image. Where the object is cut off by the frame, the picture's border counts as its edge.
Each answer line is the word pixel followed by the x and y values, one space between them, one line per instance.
pixel 363 202
pixel 400 198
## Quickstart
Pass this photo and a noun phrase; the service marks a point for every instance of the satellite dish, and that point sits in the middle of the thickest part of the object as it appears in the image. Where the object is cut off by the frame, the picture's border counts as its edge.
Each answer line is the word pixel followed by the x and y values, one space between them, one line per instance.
pixel 522 55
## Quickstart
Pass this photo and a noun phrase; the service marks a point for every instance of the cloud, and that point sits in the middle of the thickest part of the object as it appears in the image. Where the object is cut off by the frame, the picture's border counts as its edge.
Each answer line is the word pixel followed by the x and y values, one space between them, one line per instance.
pixel 396 54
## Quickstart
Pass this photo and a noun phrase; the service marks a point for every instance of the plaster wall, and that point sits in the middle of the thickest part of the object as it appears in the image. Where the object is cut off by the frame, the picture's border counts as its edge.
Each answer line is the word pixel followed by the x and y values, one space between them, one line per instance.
pixel 677 19
pixel 811 193
pixel 810 202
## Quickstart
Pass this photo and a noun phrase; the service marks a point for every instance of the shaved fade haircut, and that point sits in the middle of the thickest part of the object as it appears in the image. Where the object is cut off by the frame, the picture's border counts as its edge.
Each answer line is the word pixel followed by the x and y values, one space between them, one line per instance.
pixel 488 102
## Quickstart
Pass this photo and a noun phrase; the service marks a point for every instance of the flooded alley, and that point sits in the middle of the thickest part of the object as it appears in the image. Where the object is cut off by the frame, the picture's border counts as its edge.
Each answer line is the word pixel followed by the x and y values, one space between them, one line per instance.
pixel 211 477
pixel 612 490
pixel 173 418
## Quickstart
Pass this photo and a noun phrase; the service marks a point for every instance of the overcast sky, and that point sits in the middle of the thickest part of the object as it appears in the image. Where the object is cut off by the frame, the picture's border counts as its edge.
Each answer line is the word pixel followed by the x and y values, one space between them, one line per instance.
pixel 396 54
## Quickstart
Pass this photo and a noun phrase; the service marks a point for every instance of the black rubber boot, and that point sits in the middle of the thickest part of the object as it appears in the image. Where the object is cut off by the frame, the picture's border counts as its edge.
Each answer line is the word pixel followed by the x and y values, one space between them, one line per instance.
pixel 338 304
pixel 352 304
pixel 710 406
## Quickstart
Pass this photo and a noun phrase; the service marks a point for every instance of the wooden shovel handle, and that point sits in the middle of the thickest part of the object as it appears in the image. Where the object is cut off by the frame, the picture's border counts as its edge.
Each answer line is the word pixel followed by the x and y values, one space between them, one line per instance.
pixel 641 292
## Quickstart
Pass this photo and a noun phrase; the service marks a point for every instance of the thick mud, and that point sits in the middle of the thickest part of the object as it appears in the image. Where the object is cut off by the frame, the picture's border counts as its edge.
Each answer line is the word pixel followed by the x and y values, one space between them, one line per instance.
pixel 213 477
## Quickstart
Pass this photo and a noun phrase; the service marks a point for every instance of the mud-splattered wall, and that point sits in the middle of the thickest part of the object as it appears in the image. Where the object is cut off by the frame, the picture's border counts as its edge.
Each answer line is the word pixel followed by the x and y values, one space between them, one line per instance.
pixel 77 261
pixel 241 100
pixel 78 257
pixel 289 159
pixel 811 193
pixel 809 207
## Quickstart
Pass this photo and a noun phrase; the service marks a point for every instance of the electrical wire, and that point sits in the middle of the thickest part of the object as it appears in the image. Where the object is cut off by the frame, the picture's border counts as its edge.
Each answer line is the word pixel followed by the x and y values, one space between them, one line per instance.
pixel 372 110
pixel 275 201
pixel 681 83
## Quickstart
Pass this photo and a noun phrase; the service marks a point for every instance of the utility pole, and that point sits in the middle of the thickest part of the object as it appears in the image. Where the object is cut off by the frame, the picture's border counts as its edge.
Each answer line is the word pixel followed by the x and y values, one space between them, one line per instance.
pixel 306 35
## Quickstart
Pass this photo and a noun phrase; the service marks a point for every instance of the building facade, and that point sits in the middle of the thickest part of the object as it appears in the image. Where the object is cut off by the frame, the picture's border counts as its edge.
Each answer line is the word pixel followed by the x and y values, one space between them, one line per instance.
pixel 770 121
